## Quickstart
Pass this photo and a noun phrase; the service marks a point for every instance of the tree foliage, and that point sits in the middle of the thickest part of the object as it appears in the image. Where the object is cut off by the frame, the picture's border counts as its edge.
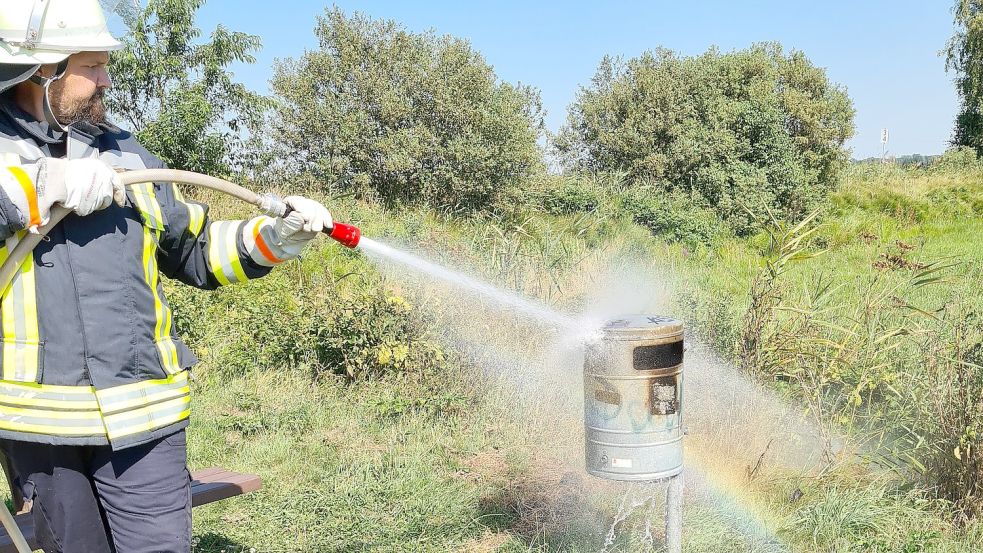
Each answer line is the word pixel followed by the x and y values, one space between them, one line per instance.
pixel 739 132
pixel 404 117
pixel 964 56
pixel 178 94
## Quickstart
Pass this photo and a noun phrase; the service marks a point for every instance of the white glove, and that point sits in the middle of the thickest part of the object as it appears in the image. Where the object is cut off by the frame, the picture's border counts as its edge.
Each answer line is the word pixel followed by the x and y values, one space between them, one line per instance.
pixel 82 185
pixel 302 225
pixel 90 185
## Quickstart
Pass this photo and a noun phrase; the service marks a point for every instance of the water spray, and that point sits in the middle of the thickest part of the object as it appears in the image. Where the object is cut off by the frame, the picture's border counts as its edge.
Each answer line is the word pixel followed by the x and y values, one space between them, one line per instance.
pixel 633 391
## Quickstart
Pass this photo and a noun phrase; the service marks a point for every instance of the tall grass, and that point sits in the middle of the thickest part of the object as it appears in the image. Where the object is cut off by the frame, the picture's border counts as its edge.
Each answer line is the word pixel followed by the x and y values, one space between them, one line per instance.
pixel 382 417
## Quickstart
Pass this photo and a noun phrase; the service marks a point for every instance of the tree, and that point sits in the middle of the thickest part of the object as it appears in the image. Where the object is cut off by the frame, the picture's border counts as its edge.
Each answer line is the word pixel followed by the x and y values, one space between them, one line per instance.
pixel 178 95
pixel 404 117
pixel 964 56
pixel 740 132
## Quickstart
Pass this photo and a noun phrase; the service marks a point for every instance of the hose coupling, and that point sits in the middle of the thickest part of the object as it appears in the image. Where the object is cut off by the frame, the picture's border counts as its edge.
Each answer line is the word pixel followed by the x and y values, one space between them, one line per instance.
pixel 272 205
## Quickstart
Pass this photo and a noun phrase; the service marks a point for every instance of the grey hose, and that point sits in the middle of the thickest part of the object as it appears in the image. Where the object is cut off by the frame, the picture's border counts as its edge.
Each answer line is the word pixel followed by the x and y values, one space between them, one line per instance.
pixel 268 204
pixel 13 531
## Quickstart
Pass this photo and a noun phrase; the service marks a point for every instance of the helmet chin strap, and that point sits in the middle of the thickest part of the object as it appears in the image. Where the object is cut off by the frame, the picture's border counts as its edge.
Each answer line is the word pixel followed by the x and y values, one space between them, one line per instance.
pixel 45 83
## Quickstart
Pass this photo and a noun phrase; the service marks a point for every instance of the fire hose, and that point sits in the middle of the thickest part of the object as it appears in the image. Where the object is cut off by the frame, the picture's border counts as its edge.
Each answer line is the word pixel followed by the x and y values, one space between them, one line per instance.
pixel 347 235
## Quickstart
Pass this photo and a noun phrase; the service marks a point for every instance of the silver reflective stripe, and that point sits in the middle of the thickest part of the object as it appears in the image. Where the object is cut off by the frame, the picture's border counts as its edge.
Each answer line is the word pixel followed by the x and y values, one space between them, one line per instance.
pixel 46 421
pixel 109 405
pixel 224 257
pixel 121 423
pixel 20 329
pixel 23 148
pixel 12 391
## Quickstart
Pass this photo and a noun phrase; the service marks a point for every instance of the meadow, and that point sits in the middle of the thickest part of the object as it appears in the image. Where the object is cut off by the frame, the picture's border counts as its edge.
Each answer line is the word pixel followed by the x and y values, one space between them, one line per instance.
pixel 833 386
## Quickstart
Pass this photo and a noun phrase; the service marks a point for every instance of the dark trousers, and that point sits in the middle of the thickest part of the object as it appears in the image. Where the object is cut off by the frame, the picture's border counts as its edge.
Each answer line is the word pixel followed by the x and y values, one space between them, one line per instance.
pixel 91 499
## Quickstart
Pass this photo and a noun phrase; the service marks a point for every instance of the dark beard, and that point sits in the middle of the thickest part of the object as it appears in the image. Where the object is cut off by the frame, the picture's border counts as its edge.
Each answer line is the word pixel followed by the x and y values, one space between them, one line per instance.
pixel 91 110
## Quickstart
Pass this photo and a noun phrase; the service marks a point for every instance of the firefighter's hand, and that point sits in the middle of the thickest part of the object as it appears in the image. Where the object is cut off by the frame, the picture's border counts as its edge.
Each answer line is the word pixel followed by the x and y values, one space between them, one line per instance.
pixel 82 185
pixel 301 225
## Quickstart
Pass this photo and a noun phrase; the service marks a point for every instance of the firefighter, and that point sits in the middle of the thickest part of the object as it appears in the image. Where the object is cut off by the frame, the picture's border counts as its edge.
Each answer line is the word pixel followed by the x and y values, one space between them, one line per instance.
pixel 94 380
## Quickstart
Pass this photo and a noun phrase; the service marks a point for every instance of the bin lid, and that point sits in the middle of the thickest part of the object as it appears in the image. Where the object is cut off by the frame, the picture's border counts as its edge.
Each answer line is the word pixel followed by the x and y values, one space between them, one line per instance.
pixel 641 327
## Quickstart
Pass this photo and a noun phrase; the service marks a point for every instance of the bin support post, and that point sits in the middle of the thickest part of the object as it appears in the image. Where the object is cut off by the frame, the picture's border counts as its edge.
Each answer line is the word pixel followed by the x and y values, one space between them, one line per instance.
pixel 674 514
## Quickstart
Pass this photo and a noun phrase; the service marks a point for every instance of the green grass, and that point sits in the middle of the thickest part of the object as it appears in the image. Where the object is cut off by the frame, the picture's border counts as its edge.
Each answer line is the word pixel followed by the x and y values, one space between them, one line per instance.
pixel 435 454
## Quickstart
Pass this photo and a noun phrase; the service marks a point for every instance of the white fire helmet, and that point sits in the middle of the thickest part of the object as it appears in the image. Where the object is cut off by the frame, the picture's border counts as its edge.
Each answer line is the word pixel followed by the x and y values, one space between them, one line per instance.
pixel 37 32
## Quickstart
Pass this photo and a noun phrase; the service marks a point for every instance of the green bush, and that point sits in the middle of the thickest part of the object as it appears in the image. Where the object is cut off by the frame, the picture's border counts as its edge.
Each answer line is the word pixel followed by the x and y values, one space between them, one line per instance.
pixel 404 117
pixel 673 215
pixel 748 130
pixel 343 321
pixel 962 158
pixel 570 195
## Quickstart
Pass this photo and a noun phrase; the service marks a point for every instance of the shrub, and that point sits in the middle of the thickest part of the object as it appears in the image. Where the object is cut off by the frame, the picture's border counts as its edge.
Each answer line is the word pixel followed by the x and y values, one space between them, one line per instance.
pixel 404 117
pixel 673 215
pixel 570 195
pixel 748 130
pixel 962 158
pixel 343 322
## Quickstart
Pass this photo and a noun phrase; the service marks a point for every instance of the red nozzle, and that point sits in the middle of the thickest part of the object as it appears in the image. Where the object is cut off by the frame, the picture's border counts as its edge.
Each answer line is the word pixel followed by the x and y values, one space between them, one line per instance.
pixel 348 235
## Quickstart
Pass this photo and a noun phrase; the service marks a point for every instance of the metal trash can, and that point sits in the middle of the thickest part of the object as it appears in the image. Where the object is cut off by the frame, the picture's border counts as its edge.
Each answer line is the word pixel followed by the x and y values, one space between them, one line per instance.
pixel 633 390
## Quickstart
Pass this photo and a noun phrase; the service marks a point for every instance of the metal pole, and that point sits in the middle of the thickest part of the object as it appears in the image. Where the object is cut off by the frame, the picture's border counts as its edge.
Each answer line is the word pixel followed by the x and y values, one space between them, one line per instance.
pixel 674 514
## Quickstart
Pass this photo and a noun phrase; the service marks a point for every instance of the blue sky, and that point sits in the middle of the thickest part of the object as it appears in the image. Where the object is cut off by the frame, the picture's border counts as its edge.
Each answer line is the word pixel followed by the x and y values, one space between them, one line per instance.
pixel 886 53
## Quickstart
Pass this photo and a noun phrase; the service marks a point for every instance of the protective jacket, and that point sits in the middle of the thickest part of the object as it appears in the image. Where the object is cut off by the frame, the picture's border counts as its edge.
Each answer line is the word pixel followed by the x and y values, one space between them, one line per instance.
pixel 89 353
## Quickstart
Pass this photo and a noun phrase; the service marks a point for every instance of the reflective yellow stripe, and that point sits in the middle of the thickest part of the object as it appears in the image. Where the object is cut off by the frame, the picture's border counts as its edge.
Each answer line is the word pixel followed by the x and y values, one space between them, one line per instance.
pixel 150 397
pixel 196 213
pixel 44 424
pixel 162 327
pixel 72 411
pixel 140 394
pixel 83 411
pixel 214 255
pixel 107 396
pixel 149 206
pixel 145 406
pixel 223 252
pixel 19 309
pixel 148 418
pixel 52 410
pixel 73 398
pixel 52 413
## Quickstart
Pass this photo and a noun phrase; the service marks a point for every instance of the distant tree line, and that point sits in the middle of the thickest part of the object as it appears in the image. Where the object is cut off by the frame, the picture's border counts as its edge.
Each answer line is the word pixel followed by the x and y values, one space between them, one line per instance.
pixel 910 160
pixel 418 118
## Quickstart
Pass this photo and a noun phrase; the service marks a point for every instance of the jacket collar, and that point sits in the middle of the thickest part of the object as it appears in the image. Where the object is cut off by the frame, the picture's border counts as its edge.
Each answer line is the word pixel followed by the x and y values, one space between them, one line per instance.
pixel 43 133
pixel 29 126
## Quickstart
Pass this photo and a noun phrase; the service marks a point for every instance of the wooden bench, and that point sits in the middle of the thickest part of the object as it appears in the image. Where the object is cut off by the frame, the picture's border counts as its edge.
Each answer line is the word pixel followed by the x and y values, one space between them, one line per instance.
pixel 207 486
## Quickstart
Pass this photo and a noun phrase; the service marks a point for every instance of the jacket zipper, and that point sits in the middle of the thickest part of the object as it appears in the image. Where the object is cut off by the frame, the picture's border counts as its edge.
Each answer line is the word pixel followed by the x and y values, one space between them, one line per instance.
pixel 78 304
